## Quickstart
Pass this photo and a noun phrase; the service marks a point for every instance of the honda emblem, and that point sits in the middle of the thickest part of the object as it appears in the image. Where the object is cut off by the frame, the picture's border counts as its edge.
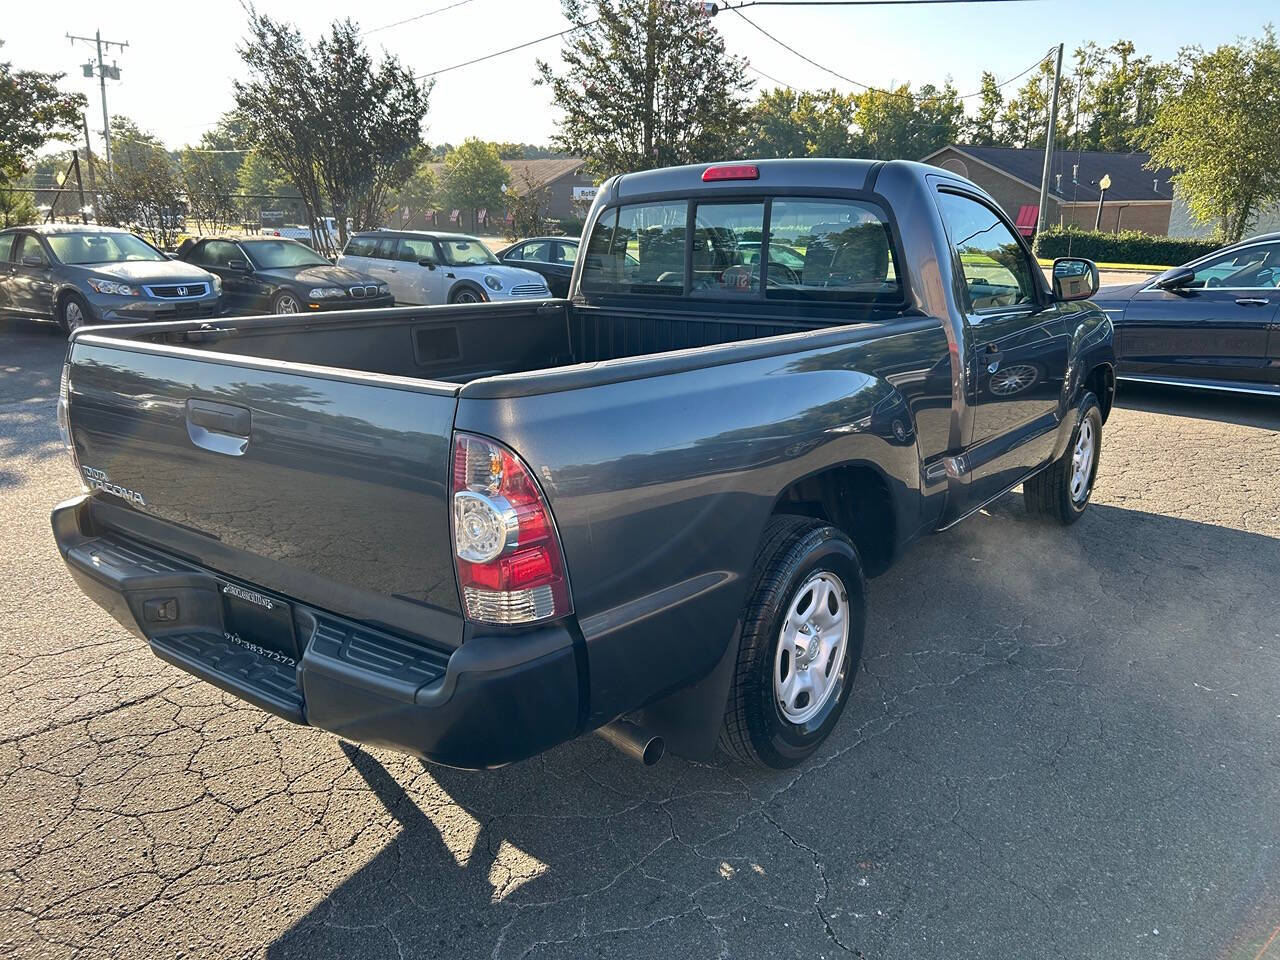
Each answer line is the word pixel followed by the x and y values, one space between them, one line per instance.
pixel 182 291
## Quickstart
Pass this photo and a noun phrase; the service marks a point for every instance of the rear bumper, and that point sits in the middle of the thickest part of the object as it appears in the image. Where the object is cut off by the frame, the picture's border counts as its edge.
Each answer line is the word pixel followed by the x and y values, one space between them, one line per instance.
pixel 494 700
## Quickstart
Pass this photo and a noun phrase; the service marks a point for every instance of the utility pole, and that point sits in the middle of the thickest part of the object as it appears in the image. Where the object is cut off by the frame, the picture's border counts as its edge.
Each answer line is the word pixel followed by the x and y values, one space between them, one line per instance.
pixel 1048 141
pixel 104 71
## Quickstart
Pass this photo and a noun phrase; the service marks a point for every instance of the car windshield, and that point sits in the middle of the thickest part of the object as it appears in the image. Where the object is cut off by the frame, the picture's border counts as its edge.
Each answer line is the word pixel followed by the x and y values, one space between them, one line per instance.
pixel 466 252
pixel 85 248
pixel 275 254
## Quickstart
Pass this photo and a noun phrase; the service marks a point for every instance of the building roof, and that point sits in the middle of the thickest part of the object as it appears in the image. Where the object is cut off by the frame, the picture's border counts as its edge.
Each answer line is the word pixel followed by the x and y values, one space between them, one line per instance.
pixel 1131 180
pixel 529 174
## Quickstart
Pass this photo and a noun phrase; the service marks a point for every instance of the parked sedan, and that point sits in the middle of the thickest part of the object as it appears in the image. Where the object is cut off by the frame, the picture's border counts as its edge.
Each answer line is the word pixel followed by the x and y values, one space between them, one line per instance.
pixel 277 275
pixel 80 274
pixel 552 257
pixel 1211 323
pixel 433 268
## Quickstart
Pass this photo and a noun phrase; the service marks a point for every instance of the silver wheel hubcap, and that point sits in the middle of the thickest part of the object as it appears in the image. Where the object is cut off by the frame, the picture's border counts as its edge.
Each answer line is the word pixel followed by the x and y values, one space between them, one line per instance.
pixel 75 319
pixel 811 648
pixel 1082 461
pixel 286 305
pixel 467 298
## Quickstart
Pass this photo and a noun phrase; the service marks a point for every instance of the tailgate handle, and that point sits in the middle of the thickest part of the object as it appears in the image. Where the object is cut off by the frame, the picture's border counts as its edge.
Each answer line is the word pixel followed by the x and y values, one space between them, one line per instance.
pixel 219 427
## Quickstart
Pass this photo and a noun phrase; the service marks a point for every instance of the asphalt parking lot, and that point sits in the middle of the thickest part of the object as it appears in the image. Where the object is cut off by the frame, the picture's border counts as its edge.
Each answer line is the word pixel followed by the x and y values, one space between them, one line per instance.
pixel 1064 743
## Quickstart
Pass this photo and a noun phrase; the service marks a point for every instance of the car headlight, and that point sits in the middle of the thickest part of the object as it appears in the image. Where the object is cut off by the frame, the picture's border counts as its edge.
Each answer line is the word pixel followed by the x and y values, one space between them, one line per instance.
pixel 114 287
pixel 493 283
pixel 383 289
pixel 217 284
pixel 325 293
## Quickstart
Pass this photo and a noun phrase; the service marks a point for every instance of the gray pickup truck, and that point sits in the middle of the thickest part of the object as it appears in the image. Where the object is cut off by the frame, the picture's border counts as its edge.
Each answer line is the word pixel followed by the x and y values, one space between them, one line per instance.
pixel 475 532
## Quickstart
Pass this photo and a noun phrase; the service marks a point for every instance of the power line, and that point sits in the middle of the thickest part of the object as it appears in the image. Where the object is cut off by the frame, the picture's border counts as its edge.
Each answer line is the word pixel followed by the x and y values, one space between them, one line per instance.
pixel 715 7
pixel 867 86
pixel 420 16
pixel 498 53
pixel 781 83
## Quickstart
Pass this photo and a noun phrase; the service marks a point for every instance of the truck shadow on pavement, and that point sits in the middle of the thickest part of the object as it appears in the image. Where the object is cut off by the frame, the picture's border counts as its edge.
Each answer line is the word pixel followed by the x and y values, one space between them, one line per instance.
pixel 1062 743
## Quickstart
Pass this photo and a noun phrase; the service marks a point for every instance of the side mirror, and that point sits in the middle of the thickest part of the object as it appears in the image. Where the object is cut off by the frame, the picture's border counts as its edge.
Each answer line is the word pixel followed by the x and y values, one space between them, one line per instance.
pixel 240 265
pixel 1175 278
pixel 1074 278
pixel 33 262
pixel 429 264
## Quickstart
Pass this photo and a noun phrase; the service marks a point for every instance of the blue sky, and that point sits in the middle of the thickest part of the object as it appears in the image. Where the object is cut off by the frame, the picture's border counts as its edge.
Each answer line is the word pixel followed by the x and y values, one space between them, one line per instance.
pixel 178 68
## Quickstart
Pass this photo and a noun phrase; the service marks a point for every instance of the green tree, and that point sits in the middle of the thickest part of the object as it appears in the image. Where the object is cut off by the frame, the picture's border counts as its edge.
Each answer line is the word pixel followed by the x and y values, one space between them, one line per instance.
pixel 142 190
pixel 17 209
pixel 899 124
pixel 1220 131
pixel 416 194
pixel 1026 116
pixel 790 123
pixel 983 129
pixel 33 111
pixel 474 177
pixel 209 173
pixel 1120 93
pixel 339 125
pixel 647 83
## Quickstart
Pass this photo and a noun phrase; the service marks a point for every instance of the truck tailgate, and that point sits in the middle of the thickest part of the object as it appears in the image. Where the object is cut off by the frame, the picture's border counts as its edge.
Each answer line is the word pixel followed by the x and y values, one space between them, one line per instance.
pixel 324 487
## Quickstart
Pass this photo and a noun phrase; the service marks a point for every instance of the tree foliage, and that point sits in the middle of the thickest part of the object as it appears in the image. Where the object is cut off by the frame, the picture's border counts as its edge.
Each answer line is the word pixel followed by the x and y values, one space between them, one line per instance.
pixel 33 111
pixel 898 123
pixel 526 202
pixel 142 191
pixel 337 124
pixel 800 123
pixel 648 84
pixel 1220 131
pixel 416 194
pixel 474 177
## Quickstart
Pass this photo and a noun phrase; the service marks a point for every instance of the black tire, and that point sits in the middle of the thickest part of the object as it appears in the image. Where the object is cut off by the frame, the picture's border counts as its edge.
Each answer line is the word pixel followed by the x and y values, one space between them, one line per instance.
pixel 466 294
pixel 286 302
pixel 792 552
pixel 68 307
pixel 1050 494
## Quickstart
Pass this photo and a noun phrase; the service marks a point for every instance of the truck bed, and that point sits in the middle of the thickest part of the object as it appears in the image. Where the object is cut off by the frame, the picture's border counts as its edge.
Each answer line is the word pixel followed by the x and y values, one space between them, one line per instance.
pixel 458 344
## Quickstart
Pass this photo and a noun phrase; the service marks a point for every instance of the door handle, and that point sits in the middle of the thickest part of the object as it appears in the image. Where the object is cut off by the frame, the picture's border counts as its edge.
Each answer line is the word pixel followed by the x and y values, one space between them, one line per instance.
pixel 1252 301
pixel 219 427
pixel 392 270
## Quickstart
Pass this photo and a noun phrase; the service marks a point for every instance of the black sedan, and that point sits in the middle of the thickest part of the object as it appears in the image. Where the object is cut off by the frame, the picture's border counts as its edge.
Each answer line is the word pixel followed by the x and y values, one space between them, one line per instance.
pixel 276 275
pixel 1212 323
pixel 552 257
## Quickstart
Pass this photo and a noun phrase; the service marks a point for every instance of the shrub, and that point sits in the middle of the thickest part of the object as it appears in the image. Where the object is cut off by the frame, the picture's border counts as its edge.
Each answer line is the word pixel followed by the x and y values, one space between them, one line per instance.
pixel 1127 246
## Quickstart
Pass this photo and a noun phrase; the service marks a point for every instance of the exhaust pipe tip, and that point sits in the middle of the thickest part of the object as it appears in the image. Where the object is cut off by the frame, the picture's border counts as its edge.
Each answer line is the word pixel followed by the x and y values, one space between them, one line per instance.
pixel 634 741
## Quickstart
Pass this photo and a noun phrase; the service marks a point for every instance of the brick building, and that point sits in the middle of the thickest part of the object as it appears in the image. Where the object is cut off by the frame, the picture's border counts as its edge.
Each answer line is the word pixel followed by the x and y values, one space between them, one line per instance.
pixel 569 194
pixel 1138 199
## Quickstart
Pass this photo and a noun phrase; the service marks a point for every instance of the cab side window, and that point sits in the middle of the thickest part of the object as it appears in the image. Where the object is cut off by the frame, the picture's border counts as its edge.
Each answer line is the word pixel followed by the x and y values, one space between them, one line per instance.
pixel 28 248
pixel 996 271
pixel 6 246
pixel 539 252
pixel 216 253
pixel 1253 268
pixel 360 247
pixel 411 250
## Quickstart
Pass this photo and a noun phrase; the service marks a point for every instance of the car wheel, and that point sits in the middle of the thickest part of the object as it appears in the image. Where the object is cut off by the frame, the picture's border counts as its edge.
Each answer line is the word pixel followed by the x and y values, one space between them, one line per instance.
pixel 800 646
pixel 73 313
pixel 466 295
pixel 1061 491
pixel 285 302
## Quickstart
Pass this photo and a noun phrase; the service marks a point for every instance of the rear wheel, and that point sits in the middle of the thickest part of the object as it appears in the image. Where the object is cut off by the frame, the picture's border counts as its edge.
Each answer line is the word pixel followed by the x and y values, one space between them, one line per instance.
pixel 801 644
pixel 1061 491
pixel 73 313
pixel 285 302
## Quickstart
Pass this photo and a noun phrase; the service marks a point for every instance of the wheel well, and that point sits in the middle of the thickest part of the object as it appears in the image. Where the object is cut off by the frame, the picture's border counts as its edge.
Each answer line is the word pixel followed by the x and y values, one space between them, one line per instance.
pixel 855 499
pixel 1102 381
pixel 467 285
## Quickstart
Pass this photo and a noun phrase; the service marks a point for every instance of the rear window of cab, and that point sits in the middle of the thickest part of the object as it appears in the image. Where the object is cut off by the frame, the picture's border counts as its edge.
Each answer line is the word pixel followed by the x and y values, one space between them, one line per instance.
pixel 779 248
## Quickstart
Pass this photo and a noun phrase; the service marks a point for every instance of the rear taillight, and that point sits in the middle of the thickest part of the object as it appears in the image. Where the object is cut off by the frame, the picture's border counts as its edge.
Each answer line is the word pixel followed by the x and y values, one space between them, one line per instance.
pixel 507 553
